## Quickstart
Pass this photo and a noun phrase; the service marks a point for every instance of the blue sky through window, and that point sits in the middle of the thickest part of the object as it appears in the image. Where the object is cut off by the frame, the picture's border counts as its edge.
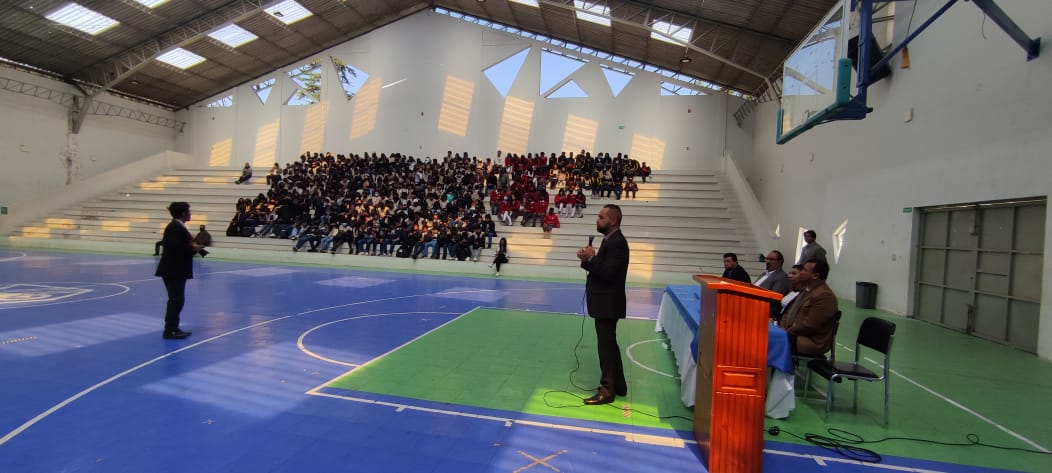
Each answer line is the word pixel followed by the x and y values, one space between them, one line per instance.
pixel 616 79
pixel 556 67
pixel 502 74
pixel 567 91
pixel 263 89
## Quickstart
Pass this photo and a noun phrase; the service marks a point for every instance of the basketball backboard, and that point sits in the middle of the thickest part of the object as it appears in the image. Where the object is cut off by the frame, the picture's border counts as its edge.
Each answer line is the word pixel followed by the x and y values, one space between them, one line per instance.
pixel 816 80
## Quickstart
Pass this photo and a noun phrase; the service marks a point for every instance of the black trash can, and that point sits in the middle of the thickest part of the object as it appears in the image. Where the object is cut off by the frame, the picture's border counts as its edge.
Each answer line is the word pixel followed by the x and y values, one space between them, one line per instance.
pixel 865 295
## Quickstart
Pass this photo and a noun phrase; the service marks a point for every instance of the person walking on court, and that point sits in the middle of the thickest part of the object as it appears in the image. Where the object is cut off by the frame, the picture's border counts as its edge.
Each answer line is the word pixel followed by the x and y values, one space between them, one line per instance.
pixel 176 266
pixel 606 300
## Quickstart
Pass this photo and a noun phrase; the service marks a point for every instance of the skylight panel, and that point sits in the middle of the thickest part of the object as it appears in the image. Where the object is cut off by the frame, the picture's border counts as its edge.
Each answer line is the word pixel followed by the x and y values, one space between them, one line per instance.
pixel 83 19
pixel 288 12
pixel 671 33
pixel 593 12
pixel 232 35
pixel 532 3
pixel 181 58
pixel 151 3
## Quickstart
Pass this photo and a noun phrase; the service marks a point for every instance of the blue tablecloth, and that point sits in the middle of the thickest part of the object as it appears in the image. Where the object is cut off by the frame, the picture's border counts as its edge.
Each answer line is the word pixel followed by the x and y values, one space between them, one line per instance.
pixel 687 300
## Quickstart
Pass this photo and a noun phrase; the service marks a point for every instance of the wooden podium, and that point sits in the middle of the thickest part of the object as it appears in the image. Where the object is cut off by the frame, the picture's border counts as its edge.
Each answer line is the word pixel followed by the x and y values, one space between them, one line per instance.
pixel 732 374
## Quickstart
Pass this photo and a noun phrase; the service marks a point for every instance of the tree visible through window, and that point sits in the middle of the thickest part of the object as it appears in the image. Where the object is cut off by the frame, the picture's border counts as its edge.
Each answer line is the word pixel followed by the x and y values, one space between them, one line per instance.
pixel 351 79
pixel 308 78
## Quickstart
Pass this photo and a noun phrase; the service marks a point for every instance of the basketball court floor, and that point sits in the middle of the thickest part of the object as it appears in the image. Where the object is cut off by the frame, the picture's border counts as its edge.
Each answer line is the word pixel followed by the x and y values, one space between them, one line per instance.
pixel 312 368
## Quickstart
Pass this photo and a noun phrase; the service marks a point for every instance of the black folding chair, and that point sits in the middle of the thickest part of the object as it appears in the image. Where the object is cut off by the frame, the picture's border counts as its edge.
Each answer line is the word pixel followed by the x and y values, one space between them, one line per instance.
pixel 875 334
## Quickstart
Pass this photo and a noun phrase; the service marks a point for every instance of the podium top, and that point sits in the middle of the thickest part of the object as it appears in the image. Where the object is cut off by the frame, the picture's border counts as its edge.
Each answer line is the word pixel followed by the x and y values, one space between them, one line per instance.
pixel 730 285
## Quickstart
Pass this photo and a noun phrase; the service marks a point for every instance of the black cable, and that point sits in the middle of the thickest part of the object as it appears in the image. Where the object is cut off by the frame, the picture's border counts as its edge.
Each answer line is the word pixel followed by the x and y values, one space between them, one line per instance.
pixel 845 443
pixel 577 367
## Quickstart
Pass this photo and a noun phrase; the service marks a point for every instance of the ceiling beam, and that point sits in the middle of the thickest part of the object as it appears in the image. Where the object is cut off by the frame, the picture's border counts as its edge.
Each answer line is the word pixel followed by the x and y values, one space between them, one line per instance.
pixel 569 5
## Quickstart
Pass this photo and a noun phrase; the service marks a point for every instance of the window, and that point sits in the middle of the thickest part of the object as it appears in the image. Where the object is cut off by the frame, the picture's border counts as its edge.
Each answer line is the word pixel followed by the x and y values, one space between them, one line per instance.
pixel 593 12
pixel 617 79
pixel 532 3
pixel 263 89
pixel 668 88
pixel 351 79
pixel 82 19
pixel 288 12
pixel 838 240
pixel 671 33
pixel 555 67
pixel 232 35
pixel 502 74
pixel 224 102
pixel 180 58
pixel 151 3
pixel 629 63
pixel 308 78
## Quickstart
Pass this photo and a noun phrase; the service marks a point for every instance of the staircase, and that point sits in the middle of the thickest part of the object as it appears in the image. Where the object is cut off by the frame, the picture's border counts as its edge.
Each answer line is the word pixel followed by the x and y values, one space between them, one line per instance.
pixel 679 224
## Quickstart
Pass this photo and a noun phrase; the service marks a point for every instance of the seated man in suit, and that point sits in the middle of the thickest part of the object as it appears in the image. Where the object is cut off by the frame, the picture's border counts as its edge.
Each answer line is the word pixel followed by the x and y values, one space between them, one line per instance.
pixel 774 278
pixel 810 317
pixel 731 269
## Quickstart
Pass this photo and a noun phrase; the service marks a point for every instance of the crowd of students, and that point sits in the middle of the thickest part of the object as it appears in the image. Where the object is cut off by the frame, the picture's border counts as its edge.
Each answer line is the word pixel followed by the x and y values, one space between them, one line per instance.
pixel 397 205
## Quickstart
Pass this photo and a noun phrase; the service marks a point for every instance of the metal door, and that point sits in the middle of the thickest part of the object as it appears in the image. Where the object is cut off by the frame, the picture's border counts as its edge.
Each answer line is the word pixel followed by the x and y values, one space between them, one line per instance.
pixel 979 269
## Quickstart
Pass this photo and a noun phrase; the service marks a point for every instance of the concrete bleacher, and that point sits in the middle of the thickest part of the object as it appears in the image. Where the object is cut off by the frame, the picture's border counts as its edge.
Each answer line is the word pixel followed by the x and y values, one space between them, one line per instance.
pixel 679 224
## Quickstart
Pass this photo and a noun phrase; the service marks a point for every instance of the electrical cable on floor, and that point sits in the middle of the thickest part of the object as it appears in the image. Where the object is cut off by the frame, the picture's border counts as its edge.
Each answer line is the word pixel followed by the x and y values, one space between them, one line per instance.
pixel 846 443
pixel 577 367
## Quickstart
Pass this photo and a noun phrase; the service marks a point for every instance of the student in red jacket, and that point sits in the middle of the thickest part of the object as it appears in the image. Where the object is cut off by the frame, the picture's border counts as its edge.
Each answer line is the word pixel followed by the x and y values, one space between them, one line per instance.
pixel 550 221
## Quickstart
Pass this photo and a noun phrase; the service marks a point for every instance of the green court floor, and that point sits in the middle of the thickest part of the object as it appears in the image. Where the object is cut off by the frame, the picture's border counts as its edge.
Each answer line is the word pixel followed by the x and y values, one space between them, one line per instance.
pixel 944 386
pixel 521 362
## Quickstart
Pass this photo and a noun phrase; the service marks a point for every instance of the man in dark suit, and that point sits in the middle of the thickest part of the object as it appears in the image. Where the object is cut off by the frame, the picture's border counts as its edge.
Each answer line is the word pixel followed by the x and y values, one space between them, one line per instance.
pixel 176 266
pixel 731 269
pixel 605 292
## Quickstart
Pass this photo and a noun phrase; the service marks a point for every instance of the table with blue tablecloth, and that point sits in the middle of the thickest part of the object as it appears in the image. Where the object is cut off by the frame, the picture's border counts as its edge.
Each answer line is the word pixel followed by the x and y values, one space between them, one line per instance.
pixel 678 317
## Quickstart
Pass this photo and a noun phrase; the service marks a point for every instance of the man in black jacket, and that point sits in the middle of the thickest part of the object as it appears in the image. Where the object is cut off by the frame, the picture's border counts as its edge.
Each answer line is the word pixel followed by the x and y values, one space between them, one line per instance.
pixel 732 270
pixel 605 292
pixel 176 266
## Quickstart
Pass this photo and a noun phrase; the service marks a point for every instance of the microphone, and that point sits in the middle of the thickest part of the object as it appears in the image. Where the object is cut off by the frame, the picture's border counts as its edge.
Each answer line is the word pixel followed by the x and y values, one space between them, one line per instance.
pixel 590 238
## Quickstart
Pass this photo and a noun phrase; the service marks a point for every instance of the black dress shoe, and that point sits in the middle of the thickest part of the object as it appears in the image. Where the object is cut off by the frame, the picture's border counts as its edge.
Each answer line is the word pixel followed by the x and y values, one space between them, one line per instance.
pixel 176 335
pixel 622 392
pixel 600 398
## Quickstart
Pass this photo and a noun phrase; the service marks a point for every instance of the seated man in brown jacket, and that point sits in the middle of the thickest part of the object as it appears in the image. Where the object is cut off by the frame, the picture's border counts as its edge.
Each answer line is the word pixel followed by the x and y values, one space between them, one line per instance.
pixel 809 318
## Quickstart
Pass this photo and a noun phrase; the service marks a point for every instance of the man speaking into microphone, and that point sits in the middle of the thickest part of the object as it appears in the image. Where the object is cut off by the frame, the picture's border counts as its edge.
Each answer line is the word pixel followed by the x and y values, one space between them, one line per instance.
pixel 605 292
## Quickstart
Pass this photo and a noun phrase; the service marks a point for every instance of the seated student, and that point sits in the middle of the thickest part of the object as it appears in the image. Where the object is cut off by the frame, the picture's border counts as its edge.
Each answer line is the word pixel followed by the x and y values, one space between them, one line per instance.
pixel 204 239
pixel 246 174
pixel 502 254
pixel 274 176
pixel 550 221
pixel 810 317
pixel 631 188
pixel 644 172
pixel 731 269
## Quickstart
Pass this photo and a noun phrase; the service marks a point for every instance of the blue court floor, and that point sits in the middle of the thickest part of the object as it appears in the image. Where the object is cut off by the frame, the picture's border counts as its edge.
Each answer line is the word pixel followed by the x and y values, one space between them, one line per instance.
pixel 89 385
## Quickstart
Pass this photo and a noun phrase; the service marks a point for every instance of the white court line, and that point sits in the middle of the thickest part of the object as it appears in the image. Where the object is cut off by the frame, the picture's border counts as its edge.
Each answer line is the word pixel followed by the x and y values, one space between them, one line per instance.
pixel 659 440
pixel 963 408
pixel 39 417
pixel 308 352
pixel 955 403
pixel 628 351
pixel 30 305
pixel 821 460
pixel 13 258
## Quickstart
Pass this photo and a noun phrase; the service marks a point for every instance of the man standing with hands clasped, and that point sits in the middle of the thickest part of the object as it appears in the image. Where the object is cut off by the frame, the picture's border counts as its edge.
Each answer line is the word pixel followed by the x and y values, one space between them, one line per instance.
pixel 605 292
pixel 176 266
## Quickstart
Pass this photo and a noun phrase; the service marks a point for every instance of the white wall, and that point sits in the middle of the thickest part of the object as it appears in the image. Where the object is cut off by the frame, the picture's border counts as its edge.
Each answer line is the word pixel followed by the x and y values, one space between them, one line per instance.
pixel 34 138
pixel 424 51
pixel 981 130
